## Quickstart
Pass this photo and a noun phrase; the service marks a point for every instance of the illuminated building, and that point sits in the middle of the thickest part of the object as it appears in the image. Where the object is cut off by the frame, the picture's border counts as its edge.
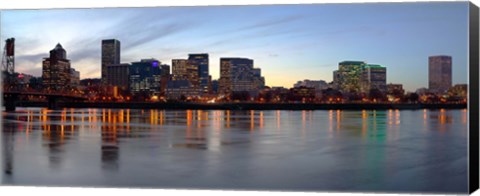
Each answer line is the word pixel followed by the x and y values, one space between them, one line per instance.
pixel 318 85
pixel 459 90
pixel 439 73
pixel 302 93
pixel 238 74
pixel 145 77
pixel 347 77
pixel 393 89
pixel 201 62
pixel 183 70
pixel 117 75
pixel 56 70
pixel 179 69
pixel 110 56
pixel 176 89
pixel 373 77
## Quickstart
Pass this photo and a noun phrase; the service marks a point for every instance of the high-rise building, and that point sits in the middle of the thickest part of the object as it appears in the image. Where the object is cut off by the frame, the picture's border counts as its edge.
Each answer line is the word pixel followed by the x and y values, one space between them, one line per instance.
pixel 179 69
pixel 215 86
pixel 110 56
pixel 373 77
pixel 164 78
pixel 201 62
pixel 118 75
pixel 165 69
pixel 56 70
pixel 145 77
pixel 439 73
pixel 182 69
pixel 259 81
pixel 238 74
pixel 347 77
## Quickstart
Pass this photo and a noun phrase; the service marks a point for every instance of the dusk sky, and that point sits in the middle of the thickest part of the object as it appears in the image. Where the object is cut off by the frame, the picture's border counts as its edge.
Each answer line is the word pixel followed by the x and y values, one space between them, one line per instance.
pixel 288 42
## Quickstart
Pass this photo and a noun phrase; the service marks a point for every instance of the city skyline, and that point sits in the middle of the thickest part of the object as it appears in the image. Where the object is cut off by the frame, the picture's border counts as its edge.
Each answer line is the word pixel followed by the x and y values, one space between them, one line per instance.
pixel 272 40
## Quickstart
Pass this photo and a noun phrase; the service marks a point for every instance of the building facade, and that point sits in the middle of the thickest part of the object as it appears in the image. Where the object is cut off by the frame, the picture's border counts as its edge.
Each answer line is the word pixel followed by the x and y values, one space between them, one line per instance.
pixel 178 89
pixel 318 85
pixel 347 77
pixel 118 75
pixel 183 70
pixel 393 89
pixel 259 80
pixel 439 73
pixel 373 77
pixel 179 69
pixel 459 90
pixel 56 74
pixel 74 78
pixel 110 56
pixel 238 74
pixel 201 62
pixel 145 77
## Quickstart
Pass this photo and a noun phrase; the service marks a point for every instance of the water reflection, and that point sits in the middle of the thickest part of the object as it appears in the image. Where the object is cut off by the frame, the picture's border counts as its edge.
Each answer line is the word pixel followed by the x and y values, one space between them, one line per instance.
pixel 8 147
pixel 57 130
pixel 237 149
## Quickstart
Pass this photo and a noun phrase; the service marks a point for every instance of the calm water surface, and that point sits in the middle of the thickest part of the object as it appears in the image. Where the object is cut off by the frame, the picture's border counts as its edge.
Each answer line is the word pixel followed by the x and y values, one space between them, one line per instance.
pixel 414 151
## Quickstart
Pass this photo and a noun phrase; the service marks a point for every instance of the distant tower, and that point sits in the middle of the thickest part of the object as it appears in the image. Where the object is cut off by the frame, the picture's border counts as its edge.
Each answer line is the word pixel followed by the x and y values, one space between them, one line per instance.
pixel 201 62
pixel 8 62
pixel 439 73
pixel 56 71
pixel 110 56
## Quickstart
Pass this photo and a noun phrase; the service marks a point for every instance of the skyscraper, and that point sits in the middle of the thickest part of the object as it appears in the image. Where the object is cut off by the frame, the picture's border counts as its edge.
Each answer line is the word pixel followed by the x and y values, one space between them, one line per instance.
pixel 373 77
pixel 179 69
pixel 201 61
pixel 56 70
pixel 439 73
pixel 347 77
pixel 117 75
pixel 110 56
pixel 238 74
pixel 145 77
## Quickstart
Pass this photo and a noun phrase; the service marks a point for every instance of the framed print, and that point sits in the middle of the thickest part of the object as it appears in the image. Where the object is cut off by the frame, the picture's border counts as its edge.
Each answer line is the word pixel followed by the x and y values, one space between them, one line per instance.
pixel 355 97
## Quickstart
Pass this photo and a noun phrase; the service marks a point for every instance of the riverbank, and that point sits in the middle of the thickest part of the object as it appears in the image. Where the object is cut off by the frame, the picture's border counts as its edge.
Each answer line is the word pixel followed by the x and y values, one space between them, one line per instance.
pixel 249 106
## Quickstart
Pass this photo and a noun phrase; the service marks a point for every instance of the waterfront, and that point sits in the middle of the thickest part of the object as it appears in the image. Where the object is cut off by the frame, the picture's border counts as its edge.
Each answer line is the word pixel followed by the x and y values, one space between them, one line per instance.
pixel 387 150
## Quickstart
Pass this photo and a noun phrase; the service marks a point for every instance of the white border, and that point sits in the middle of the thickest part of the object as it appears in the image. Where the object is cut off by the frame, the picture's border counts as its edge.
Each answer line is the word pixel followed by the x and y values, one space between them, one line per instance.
pixel 48 4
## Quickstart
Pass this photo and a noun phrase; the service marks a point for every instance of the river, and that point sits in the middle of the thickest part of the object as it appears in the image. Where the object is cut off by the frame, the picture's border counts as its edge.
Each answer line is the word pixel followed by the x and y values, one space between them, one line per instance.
pixel 328 150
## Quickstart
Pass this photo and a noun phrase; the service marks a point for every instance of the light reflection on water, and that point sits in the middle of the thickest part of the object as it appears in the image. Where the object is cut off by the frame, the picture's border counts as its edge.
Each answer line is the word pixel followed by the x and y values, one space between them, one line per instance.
pixel 391 150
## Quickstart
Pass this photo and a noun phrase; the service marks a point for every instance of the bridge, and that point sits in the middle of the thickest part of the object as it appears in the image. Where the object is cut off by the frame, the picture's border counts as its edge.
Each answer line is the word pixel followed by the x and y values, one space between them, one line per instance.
pixel 12 91
pixel 10 98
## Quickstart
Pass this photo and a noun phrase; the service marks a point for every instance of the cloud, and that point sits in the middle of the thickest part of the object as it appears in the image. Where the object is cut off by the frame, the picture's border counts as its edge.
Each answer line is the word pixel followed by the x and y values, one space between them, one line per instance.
pixel 139 29
pixel 82 54
pixel 272 22
pixel 32 58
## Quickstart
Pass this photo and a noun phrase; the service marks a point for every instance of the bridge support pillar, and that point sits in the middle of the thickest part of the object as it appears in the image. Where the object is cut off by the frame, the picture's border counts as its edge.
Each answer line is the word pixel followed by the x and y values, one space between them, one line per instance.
pixel 10 101
pixel 52 103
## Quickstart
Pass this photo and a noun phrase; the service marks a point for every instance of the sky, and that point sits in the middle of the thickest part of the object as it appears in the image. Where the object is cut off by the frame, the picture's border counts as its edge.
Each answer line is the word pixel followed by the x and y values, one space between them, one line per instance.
pixel 288 42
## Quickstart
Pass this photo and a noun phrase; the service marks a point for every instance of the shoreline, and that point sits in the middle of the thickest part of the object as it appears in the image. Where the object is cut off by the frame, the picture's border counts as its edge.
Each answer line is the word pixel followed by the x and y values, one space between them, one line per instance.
pixel 250 106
